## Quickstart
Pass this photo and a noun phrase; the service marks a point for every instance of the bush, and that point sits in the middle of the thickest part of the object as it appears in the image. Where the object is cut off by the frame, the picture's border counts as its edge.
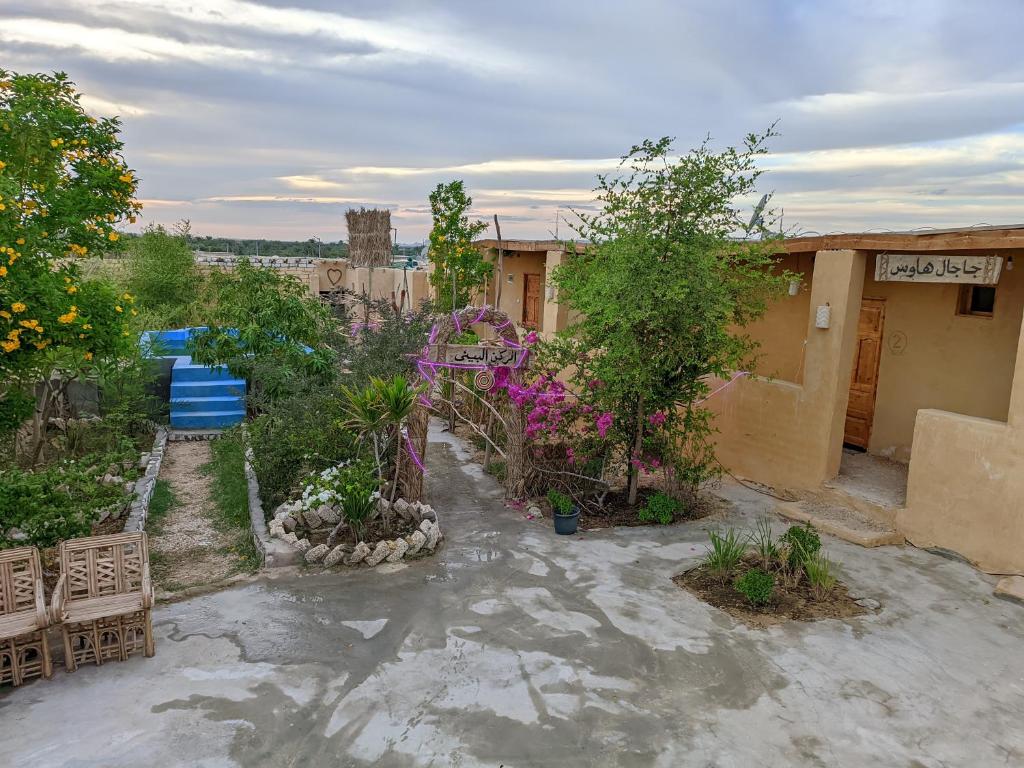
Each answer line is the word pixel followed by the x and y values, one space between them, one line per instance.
pixel 162 274
pixel 56 503
pixel 294 438
pixel 724 553
pixel 820 574
pixel 756 586
pixel 560 503
pixel 660 507
pixel 802 542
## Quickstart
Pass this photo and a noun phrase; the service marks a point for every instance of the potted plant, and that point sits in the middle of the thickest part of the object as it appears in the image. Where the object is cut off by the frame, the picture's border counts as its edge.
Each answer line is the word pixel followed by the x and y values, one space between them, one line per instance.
pixel 565 514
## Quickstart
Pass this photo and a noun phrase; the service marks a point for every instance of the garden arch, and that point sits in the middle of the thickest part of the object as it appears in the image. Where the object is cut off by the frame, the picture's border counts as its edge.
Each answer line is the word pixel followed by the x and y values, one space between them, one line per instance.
pixel 432 366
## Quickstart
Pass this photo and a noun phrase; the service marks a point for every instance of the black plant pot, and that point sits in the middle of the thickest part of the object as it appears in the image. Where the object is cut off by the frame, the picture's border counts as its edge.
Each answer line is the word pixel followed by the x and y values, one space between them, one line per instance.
pixel 566 524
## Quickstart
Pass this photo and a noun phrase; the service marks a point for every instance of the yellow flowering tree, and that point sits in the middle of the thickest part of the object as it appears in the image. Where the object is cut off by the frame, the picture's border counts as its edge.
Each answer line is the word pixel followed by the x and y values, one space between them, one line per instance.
pixel 64 189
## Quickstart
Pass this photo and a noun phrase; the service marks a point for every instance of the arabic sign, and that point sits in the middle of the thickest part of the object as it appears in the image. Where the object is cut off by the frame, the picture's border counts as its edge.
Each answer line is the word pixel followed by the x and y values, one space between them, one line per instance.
pixel 479 355
pixel 937 268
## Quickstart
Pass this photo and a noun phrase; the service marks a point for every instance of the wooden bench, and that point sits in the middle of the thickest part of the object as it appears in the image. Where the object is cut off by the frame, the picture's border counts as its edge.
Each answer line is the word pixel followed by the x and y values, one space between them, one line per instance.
pixel 24 652
pixel 104 598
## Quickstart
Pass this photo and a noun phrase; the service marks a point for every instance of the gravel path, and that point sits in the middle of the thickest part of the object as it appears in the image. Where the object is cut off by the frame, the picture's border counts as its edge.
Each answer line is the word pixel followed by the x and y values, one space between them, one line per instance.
pixel 188 549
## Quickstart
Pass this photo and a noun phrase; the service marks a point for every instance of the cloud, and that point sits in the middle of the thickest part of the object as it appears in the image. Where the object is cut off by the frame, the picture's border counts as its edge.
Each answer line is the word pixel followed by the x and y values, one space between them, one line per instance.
pixel 269 117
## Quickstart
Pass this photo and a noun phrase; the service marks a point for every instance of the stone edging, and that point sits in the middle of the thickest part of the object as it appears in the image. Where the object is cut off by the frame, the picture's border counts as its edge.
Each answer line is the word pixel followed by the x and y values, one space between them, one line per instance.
pixel 192 436
pixel 274 554
pixel 139 509
pixel 420 542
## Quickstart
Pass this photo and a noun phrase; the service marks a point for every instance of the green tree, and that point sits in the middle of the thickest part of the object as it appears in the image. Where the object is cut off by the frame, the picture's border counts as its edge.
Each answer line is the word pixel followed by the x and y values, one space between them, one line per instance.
pixel 459 268
pixel 64 188
pixel 663 291
pixel 163 277
pixel 267 328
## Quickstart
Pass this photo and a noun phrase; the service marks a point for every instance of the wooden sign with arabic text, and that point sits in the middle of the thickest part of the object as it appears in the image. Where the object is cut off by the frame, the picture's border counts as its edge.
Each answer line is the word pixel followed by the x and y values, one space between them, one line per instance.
pixel 937 268
pixel 479 355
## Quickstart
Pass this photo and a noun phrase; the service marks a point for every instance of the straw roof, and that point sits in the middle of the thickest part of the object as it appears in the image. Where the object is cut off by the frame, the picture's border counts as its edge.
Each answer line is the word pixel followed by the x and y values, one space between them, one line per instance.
pixel 369 237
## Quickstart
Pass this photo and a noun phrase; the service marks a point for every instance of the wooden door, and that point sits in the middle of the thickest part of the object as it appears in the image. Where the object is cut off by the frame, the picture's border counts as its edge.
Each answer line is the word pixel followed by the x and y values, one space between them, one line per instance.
pixel 860 412
pixel 531 301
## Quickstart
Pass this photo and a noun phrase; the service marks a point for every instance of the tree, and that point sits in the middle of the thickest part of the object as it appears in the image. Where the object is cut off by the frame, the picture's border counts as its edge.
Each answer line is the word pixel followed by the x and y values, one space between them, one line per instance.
pixel 267 328
pixel 163 277
pixel 459 268
pixel 664 289
pixel 64 188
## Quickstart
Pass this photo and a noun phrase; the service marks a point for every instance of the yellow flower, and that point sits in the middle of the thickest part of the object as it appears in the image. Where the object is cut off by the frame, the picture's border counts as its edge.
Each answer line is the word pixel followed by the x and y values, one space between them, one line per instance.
pixel 87 355
pixel 28 323
pixel 18 307
pixel 10 346
pixel 81 335
pixel 113 236
pixel 125 177
pixel 3 271
pixel 118 309
pixel 2 165
pixel 39 329
pixel 20 241
pixel 87 327
pixel 72 289
pixel 5 314
pixel 41 344
pixel 135 312
pixel 13 335
pixel 3 207
pixel 46 234
pixel 54 143
pixel 68 317
pixel 125 333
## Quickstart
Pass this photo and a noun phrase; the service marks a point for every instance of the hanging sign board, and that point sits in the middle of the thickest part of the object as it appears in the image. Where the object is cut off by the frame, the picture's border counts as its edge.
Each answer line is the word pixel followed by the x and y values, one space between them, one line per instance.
pixel 479 355
pixel 937 268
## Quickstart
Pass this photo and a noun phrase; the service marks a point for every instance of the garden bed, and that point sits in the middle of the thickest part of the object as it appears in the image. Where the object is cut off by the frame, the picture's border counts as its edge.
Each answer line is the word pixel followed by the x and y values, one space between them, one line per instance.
pixel 617 513
pixel 790 601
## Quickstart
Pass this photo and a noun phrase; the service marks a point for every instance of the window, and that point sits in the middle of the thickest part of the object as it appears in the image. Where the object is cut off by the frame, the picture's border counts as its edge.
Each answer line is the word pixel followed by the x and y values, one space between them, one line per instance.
pixel 977 300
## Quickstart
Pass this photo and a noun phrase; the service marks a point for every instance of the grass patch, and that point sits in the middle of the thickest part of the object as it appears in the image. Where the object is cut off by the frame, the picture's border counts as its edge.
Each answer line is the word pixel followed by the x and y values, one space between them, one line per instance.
pixel 231 499
pixel 161 503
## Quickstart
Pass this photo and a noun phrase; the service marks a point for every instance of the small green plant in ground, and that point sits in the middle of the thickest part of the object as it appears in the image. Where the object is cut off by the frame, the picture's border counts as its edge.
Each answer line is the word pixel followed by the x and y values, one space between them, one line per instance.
pixel 231 493
pixel 763 541
pixel 560 503
pixel 802 542
pixel 660 507
pixel 820 574
pixel 756 585
pixel 724 552
pixel 161 503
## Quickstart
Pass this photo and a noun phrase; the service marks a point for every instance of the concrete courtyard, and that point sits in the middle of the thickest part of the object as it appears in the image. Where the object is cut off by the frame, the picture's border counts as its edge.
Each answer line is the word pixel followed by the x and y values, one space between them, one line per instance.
pixel 514 647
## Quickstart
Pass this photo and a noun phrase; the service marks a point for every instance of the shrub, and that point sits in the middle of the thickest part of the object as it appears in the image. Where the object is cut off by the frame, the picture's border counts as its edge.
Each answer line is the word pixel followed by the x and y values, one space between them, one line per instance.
pixel 660 507
pixel 56 503
pixel 756 585
pixel 802 542
pixel 763 541
pixel 294 438
pixel 724 553
pixel 820 574
pixel 162 274
pixel 334 484
pixel 560 503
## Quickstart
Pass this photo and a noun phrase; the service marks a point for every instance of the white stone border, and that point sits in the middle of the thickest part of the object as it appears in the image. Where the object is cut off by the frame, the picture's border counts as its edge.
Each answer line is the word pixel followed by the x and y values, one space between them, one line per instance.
pixel 420 542
pixel 139 510
pixel 275 554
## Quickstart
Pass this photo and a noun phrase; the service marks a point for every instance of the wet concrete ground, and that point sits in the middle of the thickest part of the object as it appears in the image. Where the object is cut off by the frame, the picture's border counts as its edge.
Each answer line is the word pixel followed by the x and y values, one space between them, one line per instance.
pixel 514 647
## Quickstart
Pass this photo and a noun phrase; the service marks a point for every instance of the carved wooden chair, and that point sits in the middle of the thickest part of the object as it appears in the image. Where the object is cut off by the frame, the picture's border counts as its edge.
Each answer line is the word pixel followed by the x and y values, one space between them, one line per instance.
pixel 24 652
pixel 104 598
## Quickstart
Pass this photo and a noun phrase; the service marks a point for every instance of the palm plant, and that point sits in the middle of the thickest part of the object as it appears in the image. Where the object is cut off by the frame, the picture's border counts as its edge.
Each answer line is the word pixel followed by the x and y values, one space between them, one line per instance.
pixel 397 398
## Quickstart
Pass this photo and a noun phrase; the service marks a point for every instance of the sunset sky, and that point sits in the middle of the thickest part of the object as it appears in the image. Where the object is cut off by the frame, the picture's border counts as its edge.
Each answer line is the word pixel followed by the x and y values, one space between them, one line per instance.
pixel 269 119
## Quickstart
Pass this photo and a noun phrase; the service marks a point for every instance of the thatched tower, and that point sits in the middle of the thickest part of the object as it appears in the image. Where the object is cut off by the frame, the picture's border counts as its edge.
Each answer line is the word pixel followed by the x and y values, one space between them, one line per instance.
pixel 369 237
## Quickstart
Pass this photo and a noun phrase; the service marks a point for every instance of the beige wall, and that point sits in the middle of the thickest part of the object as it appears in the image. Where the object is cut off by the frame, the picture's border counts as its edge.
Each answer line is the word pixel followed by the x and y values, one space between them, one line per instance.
pixel 781 331
pixel 516 264
pixel 787 434
pixel 934 358
pixel 966 483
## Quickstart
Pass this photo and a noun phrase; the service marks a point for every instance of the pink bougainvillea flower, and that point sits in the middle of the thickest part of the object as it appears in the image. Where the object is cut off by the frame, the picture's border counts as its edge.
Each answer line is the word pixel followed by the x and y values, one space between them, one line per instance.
pixel 603 422
pixel 530 338
pixel 657 418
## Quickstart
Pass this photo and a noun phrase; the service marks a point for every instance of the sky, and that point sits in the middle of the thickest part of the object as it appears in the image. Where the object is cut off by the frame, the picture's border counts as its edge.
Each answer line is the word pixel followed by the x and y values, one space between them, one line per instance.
pixel 269 118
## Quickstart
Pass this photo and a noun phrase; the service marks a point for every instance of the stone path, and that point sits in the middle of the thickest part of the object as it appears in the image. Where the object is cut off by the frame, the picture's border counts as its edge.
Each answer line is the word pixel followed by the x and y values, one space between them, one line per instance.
pixel 515 647
pixel 187 548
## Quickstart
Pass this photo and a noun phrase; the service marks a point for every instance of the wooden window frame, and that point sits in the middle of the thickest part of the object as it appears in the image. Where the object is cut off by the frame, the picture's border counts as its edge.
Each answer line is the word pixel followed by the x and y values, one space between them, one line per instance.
pixel 963 302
